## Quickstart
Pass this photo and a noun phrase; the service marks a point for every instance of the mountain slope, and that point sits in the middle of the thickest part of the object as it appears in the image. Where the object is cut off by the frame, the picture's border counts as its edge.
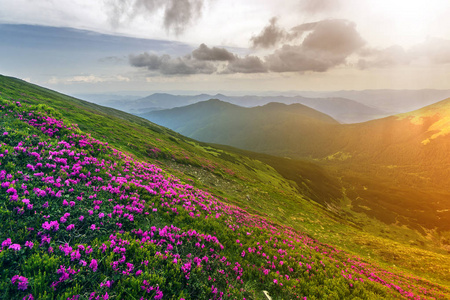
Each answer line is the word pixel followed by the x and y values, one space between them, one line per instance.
pixel 344 110
pixel 266 129
pixel 416 138
pixel 233 178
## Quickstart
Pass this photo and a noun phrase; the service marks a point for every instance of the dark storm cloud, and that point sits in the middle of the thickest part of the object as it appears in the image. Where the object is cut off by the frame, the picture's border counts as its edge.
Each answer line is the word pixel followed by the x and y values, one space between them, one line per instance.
pixel 270 36
pixel 178 14
pixel 247 64
pixel 167 65
pixel 203 52
pixel 326 44
pixel 319 6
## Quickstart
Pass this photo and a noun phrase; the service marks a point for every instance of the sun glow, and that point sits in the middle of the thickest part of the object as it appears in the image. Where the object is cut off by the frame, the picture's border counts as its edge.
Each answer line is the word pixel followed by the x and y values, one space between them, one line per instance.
pixel 407 21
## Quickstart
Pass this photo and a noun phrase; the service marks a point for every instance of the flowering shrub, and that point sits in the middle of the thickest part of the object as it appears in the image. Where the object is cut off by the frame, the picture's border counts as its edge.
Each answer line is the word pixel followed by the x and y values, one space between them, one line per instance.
pixel 81 220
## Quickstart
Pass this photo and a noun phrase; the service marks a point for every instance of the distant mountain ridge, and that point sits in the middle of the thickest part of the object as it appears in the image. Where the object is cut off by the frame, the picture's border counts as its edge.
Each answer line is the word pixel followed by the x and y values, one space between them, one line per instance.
pixel 391 101
pixel 341 109
pixel 345 106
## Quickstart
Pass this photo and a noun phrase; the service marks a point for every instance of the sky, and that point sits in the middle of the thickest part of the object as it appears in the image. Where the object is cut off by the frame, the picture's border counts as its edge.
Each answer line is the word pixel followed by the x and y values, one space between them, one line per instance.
pixel 235 46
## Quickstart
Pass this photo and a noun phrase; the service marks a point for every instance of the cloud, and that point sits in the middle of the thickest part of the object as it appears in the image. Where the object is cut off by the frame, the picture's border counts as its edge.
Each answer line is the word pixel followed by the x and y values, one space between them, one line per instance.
pixel 298 59
pixel 319 6
pixel 270 36
pixel 247 64
pixel 203 60
pixel 177 14
pixel 167 65
pixel 203 52
pixel 333 36
pixel 388 57
pixel 434 50
pixel 320 46
pixel 327 44
pixel 87 79
pixel 111 60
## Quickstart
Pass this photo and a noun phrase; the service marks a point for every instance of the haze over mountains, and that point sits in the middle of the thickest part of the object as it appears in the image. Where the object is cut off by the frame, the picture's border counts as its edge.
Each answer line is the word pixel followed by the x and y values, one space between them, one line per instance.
pixel 394 101
pixel 343 110
pixel 344 106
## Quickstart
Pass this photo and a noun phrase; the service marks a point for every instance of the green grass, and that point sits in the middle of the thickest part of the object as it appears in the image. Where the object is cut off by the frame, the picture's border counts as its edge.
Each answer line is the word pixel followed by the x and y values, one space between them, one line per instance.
pixel 304 195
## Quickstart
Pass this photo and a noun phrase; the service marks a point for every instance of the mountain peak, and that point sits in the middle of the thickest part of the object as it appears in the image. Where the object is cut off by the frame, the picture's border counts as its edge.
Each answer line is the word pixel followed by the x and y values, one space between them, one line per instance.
pixel 213 102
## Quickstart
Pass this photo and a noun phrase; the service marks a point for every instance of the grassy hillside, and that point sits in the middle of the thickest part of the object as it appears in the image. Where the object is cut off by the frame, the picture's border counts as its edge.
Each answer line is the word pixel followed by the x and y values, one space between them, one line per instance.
pixel 400 165
pixel 438 113
pixel 268 202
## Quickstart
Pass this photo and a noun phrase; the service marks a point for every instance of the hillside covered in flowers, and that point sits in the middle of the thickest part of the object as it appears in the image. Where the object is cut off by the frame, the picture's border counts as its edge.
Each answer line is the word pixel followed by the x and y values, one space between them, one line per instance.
pixel 82 220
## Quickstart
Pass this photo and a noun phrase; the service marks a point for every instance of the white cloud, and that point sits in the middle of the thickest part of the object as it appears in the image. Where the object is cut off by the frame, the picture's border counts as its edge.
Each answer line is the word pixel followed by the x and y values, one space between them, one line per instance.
pixel 86 79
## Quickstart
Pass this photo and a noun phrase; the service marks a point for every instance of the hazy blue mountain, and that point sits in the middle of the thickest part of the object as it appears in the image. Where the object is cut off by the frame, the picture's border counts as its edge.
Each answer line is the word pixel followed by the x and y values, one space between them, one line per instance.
pixel 341 109
pixel 391 101
pixel 344 106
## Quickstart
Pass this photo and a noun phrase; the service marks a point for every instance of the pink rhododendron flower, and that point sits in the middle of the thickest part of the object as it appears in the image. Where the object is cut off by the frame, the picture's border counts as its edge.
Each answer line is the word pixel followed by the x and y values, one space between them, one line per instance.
pixel 15 247
pixel 6 243
pixel 93 265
